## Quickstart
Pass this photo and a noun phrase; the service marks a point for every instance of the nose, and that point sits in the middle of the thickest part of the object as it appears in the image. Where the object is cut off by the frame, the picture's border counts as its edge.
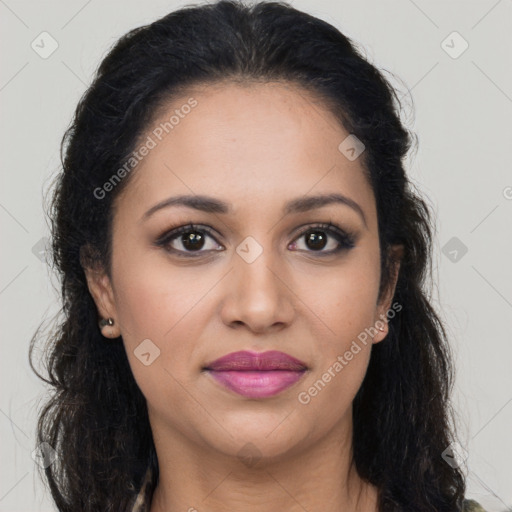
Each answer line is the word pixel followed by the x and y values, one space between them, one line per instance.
pixel 258 295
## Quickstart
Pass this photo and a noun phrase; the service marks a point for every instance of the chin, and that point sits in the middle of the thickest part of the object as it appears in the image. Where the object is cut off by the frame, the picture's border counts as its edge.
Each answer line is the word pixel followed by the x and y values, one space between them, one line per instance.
pixel 267 439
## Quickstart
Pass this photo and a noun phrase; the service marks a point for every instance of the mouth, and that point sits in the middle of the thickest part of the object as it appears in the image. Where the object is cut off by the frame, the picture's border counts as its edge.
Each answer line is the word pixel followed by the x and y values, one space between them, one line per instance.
pixel 256 375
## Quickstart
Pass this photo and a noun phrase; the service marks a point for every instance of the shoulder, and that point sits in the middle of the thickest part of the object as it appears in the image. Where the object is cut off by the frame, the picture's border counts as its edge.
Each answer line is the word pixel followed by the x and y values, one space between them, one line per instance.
pixel 472 506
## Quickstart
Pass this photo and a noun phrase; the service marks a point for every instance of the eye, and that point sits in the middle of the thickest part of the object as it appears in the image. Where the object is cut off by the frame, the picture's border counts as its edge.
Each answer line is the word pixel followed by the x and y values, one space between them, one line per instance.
pixel 192 238
pixel 317 239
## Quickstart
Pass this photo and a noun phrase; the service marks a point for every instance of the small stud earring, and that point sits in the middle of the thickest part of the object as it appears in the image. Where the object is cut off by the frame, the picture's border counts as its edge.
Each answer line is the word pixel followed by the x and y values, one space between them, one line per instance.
pixel 106 322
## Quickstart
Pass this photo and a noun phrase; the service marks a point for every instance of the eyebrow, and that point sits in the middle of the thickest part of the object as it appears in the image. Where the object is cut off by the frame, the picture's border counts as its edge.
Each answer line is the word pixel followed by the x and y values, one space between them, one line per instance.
pixel 212 205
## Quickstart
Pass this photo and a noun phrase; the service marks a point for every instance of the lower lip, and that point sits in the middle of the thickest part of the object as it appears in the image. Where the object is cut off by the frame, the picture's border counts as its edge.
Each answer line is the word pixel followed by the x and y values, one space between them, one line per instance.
pixel 257 384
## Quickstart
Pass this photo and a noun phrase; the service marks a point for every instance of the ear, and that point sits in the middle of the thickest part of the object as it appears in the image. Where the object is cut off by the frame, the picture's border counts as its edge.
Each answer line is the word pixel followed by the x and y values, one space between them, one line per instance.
pixel 381 320
pixel 101 291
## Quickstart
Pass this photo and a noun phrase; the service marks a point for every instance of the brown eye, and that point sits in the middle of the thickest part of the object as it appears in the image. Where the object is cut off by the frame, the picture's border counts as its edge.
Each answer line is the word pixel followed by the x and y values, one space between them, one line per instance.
pixel 187 240
pixel 317 238
pixel 193 241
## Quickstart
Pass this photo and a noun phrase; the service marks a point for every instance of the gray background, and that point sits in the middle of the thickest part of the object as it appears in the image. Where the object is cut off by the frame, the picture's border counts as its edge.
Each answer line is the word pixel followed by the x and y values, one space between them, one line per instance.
pixel 463 108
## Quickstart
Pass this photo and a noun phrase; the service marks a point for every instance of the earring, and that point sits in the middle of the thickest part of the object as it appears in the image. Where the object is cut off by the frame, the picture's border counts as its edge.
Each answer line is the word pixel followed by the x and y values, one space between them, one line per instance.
pixel 104 322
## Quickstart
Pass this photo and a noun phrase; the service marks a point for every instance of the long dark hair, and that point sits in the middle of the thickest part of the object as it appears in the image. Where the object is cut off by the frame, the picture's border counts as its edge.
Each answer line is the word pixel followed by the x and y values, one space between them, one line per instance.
pixel 96 418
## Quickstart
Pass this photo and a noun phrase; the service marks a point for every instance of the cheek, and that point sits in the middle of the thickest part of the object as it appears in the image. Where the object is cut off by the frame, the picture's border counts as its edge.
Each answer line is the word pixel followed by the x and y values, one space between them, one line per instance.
pixel 151 293
pixel 345 298
pixel 159 302
pixel 345 302
pixel 165 309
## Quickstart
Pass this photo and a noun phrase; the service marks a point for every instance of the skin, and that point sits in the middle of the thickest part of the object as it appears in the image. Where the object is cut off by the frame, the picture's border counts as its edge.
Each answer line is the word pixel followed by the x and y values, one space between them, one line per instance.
pixel 255 147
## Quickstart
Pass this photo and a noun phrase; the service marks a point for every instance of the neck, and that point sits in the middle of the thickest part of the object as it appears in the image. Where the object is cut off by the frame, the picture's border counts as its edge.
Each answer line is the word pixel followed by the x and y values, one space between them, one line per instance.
pixel 319 478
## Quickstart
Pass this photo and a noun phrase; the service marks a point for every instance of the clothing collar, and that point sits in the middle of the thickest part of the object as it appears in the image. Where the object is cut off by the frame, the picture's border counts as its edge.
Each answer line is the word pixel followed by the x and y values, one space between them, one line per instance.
pixel 142 501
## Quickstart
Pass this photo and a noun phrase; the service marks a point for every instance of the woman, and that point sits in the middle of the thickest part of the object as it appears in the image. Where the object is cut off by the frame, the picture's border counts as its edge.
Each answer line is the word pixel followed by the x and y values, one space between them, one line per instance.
pixel 244 264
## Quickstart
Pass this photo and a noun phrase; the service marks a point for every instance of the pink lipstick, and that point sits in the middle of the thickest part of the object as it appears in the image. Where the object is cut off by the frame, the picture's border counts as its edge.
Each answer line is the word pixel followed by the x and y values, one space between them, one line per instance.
pixel 256 375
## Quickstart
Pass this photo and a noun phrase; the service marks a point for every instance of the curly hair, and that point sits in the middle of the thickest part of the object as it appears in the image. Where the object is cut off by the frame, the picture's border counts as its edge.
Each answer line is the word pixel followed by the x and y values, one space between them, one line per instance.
pixel 96 417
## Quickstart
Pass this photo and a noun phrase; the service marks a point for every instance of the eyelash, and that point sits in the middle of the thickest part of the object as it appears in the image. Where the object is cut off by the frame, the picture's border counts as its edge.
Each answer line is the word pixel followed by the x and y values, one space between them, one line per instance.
pixel 344 238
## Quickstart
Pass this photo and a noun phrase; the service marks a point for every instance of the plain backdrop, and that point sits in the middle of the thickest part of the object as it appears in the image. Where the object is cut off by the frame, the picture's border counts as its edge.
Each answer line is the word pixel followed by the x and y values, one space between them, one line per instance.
pixel 462 101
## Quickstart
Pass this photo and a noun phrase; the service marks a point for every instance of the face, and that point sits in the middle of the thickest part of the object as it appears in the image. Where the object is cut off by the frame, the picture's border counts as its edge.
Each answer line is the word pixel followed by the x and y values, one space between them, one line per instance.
pixel 258 276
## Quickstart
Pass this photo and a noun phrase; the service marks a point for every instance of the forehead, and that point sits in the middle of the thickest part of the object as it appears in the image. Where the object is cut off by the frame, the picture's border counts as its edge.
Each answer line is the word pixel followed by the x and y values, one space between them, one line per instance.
pixel 248 145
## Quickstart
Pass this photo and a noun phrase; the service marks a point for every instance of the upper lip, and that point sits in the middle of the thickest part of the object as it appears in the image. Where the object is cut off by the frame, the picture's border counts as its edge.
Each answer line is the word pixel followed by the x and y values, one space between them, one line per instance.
pixel 256 361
